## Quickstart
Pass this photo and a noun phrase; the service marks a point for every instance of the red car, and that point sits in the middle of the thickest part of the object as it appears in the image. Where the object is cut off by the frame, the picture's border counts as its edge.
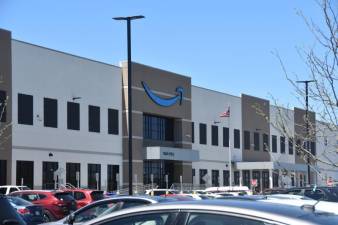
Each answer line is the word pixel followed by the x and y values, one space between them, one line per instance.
pixel 84 197
pixel 56 204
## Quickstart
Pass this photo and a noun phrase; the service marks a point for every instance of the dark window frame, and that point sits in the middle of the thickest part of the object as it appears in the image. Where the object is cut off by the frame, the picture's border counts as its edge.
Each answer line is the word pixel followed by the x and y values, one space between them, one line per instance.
pixel 25 109
pixel 73 116
pixel 3 106
pixel 246 135
pixel 214 135
pixel 266 146
pixel 113 121
pixel 203 133
pixel 237 138
pixel 94 119
pixel 290 144
pixel 256 141
pixel 282 144
pixel 274 143
pixel 226 136
pixel 50 112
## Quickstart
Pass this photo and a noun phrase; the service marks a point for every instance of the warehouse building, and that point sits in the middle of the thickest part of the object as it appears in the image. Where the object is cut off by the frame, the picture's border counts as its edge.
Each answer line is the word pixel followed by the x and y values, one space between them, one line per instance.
pixel 66 120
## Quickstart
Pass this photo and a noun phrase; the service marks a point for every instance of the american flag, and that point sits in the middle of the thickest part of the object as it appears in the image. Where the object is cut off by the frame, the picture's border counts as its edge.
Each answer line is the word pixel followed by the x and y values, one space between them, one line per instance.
pixel 225 113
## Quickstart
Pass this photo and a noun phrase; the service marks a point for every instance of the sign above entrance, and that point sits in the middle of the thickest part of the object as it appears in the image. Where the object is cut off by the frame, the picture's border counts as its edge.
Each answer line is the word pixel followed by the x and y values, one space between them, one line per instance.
pixel 166 102
pixel 167 153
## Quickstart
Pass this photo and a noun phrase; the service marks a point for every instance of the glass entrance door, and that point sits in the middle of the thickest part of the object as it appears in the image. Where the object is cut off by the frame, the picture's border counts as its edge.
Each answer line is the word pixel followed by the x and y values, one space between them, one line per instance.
pixel 158 168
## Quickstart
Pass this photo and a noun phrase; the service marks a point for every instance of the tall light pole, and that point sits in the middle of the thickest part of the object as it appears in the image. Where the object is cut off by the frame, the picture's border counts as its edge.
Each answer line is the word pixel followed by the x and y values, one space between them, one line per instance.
pixel 306 82
pixel 130 142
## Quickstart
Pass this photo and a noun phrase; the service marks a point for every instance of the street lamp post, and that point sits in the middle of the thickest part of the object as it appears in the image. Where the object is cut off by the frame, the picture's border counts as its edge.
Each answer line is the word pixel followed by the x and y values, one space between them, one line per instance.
pixel 130 150
pixel 306 82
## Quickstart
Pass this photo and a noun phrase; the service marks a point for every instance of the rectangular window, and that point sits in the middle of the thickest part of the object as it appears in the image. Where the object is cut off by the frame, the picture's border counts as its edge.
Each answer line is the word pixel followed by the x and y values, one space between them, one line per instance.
pixel 48 169
pixel 290 146
pixel 50 112
pixel 94 176
pixel 274 143
pixel 275 177
pixel 25 109
pixel 3 103
pixel 237 139
pixel 246 178
pixel 73 116
pixel 203 134
pixel 3 172
pixel 282 145
pixel 94 118
pixel 236 178
pixel 247 140
pixel 113 176
pixel 25 173
pixel 226 176
pixel 256 141
pixel 313 148
pixel 158 128
pixel 225 137
pixel 214 135
pixel 192 132
pixel 113 121
pixel 73 174
pixel 298 146
pixel 266 142
pixel 203 174
pixel 215 178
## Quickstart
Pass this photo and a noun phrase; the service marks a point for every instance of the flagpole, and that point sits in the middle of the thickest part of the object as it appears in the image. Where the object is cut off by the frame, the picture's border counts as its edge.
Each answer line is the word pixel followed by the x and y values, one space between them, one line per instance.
pixel 230 165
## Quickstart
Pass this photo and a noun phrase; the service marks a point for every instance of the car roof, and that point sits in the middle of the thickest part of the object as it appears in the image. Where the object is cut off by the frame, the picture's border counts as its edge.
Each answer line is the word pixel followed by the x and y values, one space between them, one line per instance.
pixel 263 210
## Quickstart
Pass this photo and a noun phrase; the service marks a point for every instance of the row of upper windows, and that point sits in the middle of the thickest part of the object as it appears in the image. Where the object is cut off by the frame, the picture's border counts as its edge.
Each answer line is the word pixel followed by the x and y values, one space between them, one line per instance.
pixel 50 118
pixel 247 143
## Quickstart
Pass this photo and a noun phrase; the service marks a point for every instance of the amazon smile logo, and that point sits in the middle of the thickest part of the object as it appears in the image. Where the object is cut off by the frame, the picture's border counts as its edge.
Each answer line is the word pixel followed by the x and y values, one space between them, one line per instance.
pixel 166 102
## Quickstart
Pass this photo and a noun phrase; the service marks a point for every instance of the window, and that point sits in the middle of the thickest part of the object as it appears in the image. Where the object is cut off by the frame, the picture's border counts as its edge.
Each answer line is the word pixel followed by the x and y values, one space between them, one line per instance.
pixel 73 116
pixel 158 128
pixel 214 135
pixel 256 141
pixel 316 195
pixel 247 140
pixel 236 177
pixel 226 176
pixel 237 142
pixel 3 172
pixel 113 121
pixel 94 176
pixel 215 178
pixel 25 109
pixel 50 109
pixel 313 148
pixel 290 146
pixel 95 211
pixel 159 218
pixel 298 147
pixel 225 137
pixel 203 134
pixel 275 177
pixel 282 145
pixel 48 169
pixel 73 175
pixel 192 132
pixel 197 218
pixel 25 173
pixel 3 102
pixel 274 143
pixel 246 178
pixel 94 118
pixel 113 171
pixel 79 195
pixel 203 174
pixel 266 142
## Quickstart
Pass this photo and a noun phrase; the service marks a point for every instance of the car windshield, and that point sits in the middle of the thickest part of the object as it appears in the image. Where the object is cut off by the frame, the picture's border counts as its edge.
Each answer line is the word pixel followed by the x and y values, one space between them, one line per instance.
pixel 19 201
pixel 24 188
pixel 3 190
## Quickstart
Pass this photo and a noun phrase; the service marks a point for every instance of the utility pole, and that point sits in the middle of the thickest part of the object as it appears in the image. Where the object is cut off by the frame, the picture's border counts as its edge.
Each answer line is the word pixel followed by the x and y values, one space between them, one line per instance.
pixel 306 82
pixel 130 136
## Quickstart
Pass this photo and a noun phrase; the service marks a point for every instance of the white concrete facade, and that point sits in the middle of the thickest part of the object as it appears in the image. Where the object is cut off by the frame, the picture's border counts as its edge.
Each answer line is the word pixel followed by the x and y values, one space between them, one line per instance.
pixel 41 72
pixel 207 105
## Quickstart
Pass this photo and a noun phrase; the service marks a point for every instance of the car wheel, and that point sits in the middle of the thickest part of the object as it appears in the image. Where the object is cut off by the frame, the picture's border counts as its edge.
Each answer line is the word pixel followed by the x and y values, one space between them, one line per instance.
pixel 47 217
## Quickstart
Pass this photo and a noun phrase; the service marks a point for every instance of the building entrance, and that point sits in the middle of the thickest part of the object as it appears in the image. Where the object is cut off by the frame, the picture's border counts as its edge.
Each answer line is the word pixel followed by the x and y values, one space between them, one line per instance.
pixel 158 168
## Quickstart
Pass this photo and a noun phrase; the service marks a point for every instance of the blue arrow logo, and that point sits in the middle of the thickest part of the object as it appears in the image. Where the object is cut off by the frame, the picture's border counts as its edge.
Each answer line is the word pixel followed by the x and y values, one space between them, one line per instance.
pixel 166 102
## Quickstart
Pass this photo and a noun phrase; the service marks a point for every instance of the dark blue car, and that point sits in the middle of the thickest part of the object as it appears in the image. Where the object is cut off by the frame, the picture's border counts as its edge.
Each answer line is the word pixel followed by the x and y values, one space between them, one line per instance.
pixel 32 214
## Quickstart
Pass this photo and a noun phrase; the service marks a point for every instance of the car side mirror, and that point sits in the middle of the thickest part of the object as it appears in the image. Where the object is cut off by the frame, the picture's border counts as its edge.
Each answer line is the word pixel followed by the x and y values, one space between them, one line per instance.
pixel 71 219
pixel 10 222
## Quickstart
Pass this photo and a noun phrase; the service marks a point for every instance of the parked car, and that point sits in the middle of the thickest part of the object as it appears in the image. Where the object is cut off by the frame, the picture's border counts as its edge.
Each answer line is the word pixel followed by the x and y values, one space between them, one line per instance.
pixel 107 206
pixel 11 188
pixel 84 197
pixel 158 192
pixel 271 191
pixel 32 214
pixel 56 204
pixel 8 215
pixel 329 194
pixel 217 212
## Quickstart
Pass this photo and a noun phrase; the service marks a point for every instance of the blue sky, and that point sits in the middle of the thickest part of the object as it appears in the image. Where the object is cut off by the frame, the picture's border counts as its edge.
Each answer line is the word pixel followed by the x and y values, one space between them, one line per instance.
pixel 223 45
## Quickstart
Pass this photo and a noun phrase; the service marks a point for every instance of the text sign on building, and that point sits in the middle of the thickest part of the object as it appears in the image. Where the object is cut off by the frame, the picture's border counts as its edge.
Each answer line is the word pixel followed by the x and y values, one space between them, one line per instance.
pixel 165 102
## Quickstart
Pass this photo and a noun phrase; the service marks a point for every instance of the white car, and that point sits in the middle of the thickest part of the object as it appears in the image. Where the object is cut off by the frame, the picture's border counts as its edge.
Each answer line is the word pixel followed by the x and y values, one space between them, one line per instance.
pixel 158 192
pixel 7 189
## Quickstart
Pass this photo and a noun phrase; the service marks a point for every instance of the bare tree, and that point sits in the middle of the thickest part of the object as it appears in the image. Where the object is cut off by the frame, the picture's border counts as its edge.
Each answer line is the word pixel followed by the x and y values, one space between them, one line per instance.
pixel 321 61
